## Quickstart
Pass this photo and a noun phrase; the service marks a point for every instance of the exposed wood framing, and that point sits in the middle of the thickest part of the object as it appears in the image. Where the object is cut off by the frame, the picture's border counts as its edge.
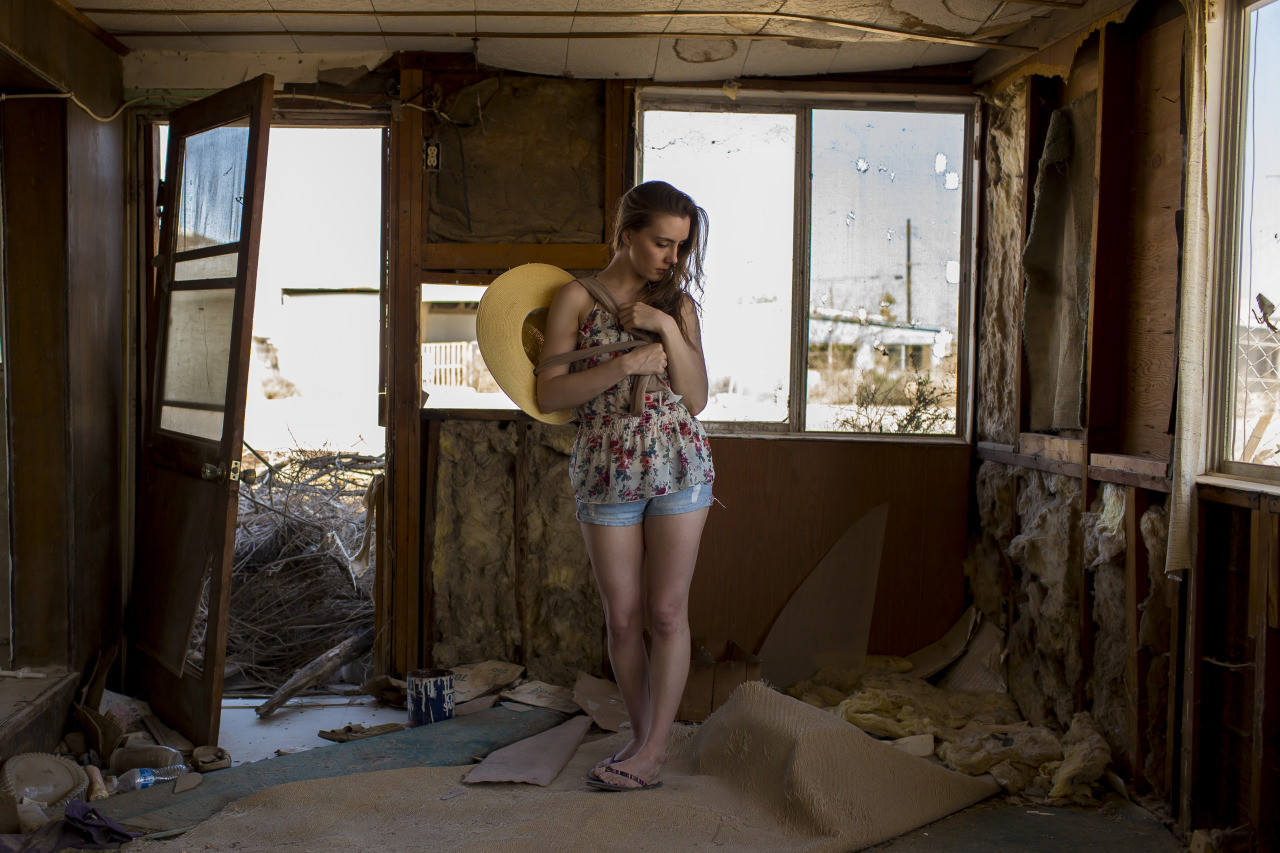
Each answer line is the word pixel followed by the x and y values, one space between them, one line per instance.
pixel 410 596
pixel 1137 660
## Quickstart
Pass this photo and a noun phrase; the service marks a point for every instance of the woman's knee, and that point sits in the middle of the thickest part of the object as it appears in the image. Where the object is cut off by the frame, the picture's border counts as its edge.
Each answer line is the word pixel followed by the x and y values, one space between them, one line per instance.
pixel 668 618
pixel 624 623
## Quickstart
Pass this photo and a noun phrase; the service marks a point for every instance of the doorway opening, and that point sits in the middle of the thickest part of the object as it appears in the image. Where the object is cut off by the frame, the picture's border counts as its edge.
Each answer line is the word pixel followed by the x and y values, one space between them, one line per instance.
pixel 303 571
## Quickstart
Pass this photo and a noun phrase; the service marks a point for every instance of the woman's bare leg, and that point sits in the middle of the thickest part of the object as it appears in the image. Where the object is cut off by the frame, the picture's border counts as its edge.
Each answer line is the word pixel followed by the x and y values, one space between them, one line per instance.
pixel 617 557
pixel 670 551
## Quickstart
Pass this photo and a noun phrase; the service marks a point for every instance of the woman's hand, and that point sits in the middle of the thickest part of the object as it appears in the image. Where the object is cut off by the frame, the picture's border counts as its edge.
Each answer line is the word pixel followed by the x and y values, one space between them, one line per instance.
pixel 641 315
pixel 647 360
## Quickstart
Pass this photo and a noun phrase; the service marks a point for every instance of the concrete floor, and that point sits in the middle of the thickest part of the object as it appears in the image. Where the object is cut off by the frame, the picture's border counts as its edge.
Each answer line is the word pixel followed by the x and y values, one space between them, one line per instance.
pixel 294 727
pixel 996 825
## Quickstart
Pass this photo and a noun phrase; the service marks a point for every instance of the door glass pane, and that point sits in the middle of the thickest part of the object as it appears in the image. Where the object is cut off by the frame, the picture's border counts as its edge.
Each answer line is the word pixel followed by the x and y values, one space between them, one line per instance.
pixel 198 346
pixel 740 167
pixel 1256 427
pixel 885 271
pixel 197 422
pixel 218 266
pixel 212 187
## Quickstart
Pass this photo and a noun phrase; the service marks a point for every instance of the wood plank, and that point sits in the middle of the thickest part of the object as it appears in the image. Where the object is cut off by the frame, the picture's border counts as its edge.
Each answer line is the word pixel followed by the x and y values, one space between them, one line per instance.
pixel 1137 659
pixel 1188 753
pixel 1225 495
pixel 520 535
pixel 42 37
pixel 1042 97
pixel 1264 782
pixel 1134 464
pixel 1260 559
pixel 430 472
pixel 39 441
pixel 1106 353
pixel 618 97
pixel 1035 463
pixel 404 385
pixel 1129 478
pixel 1152 253
pixel 1053 447
pixel 504 256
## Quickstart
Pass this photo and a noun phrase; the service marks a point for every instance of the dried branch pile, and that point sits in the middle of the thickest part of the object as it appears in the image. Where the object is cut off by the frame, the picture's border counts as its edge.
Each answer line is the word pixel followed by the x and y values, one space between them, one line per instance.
pixel 299 585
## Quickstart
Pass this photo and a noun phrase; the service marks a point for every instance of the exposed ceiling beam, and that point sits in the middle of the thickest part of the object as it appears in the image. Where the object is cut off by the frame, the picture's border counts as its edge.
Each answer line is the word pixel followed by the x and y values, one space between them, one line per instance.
pixel 905 36
pixel 765 17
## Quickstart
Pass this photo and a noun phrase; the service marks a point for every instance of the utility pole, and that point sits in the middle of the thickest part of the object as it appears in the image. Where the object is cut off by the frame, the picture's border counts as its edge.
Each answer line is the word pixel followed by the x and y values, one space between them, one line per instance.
pixel 908 271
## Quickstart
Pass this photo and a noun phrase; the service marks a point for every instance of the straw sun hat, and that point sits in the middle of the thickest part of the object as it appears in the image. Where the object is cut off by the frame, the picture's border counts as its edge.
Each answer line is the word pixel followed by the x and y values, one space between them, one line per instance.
pixel 510 328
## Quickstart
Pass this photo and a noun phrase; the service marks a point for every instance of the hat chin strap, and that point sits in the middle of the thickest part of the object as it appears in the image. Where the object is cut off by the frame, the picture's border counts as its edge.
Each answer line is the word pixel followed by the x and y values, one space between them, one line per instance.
pixel 639 382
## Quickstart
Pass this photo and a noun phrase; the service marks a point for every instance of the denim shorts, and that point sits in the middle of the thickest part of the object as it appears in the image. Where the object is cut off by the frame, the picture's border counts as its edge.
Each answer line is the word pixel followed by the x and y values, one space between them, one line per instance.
pixel 633 512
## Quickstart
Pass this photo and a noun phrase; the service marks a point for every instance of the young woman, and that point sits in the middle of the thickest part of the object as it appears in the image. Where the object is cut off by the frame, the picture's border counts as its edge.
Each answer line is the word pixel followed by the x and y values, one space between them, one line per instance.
pixel 642 477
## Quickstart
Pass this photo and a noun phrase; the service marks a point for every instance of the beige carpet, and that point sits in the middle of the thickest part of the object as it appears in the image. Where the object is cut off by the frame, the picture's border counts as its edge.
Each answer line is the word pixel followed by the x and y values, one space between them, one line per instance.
pixel 765 772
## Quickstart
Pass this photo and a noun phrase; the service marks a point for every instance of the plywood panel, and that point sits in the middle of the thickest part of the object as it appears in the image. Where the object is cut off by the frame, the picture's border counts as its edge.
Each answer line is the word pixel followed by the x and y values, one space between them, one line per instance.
pixel 96 295
pixel 35 224
pixel 1152 257
pixel 787 501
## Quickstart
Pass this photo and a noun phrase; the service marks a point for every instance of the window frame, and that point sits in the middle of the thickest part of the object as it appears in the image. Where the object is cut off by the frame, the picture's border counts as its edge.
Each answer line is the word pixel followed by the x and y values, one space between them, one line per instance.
pixel 1238 47
pixel 802 105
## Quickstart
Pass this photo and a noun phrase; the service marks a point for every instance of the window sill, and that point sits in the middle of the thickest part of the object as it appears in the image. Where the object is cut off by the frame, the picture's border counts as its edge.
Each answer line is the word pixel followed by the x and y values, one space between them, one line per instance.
pixel 1237 491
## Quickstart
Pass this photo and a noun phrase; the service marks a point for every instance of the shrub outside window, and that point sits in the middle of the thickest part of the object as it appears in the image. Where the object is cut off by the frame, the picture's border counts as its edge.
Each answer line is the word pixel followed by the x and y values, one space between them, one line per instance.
pixel 839 271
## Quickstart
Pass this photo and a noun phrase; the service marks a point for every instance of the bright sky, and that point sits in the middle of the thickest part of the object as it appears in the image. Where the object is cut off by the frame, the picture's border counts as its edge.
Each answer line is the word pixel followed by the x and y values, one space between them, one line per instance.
pixel 1261 262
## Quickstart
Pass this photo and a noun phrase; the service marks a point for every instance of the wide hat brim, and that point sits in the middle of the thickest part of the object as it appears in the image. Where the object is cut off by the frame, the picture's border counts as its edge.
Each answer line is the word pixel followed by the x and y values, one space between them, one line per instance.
pixel 510 325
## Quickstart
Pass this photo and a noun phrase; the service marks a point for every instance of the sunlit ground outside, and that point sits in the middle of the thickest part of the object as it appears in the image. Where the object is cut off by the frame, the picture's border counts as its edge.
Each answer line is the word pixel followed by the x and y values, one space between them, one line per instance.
pixel 313 373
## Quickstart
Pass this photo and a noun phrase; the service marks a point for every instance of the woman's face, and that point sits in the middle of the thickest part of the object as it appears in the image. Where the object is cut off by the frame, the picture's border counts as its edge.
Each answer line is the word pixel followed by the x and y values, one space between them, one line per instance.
pixel 653 249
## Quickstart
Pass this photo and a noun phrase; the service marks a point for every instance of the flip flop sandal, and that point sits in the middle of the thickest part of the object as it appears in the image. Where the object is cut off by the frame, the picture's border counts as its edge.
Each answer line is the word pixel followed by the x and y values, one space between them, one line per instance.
pixel 596 782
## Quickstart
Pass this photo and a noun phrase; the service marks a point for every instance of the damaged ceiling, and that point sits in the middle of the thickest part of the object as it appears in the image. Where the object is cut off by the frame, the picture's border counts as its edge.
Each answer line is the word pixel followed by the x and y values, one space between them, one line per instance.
pixel 663 40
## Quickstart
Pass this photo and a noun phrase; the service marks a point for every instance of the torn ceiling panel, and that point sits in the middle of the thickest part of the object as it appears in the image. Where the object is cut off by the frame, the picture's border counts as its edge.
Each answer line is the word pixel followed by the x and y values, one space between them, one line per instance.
pixel 608 38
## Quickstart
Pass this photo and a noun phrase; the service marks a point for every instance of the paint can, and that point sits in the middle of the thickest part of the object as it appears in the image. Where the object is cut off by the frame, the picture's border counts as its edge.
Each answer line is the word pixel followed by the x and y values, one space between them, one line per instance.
pixel 430 696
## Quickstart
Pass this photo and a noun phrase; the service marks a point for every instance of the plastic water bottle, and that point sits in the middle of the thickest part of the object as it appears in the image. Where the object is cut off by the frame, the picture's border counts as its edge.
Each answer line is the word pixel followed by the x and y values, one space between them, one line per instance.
pixel 144 777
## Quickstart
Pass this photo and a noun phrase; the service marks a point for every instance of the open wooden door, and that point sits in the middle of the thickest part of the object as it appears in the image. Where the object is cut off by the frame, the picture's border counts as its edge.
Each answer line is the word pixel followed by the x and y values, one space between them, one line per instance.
pixel 193 422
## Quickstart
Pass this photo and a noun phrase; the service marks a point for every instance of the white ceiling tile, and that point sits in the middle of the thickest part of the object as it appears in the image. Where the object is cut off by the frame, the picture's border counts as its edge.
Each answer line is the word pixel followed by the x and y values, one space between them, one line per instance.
pixel 173 42
pixel 700 59
pixel 876 55
pixel 536 56
pixel 526 5
pixel 592 24
pixel 958 17
pixel 139 23
pixel 808 30
pixel 121 4
pixel 604 58
pixel 326 5
pixel 781 59
pixel 235 5
pixel 340 43
pixel 503 24
pixel 231 23
pixel 449 24
pixel 628 5
pixel 331 23
pixel 429 43
pixel 715 24
pixel 944 54
pixel 419 5
pixel 282 42
pixel 729 5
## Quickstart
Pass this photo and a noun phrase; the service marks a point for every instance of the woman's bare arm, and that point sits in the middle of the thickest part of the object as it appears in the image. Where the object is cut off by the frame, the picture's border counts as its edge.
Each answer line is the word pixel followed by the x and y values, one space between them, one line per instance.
pixel 560 389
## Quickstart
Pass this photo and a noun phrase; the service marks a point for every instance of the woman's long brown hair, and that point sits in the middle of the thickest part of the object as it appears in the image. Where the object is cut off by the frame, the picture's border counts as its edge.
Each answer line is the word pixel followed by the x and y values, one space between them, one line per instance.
pixel 637 210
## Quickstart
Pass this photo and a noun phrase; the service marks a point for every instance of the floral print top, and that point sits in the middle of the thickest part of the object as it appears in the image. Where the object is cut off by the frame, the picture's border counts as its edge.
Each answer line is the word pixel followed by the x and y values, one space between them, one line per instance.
pixel 618 457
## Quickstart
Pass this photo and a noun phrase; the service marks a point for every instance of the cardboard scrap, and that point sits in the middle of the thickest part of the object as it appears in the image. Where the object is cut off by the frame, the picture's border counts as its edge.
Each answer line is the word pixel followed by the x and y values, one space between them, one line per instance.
pixel 472 680
pixel 936 657
pixel 535 760
pixel 384 688
pixel 543 695
pixel 602 700
pixel 186 782
pixel 482 704
pixel 980 668
pixel 827 620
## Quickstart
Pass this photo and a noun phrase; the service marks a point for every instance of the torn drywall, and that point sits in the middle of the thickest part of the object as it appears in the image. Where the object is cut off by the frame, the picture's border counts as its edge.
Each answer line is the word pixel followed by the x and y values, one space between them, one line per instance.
pixel 565 622
pixel 998 351
pixel 1104 557
pixel 1045 664
pixel 520 162
pixel 1154 638
pixel 472 564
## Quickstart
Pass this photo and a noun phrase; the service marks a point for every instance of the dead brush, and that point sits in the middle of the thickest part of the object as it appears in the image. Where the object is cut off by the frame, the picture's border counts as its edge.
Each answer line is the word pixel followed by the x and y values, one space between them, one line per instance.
pixel 300 583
